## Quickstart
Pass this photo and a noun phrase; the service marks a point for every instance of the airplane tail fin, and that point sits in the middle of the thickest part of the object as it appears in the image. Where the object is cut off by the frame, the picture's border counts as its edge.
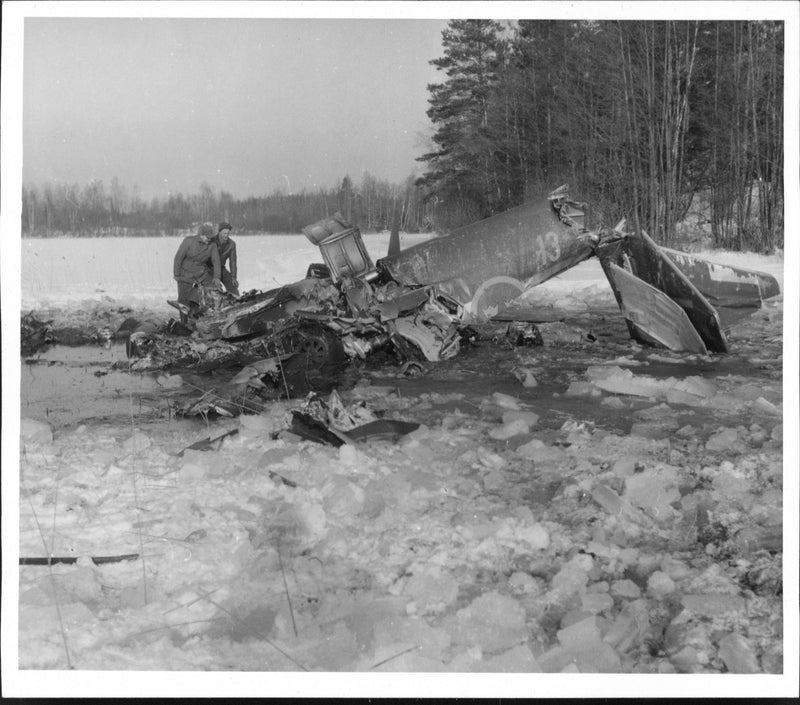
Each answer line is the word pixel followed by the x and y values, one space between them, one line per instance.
pixel 394 237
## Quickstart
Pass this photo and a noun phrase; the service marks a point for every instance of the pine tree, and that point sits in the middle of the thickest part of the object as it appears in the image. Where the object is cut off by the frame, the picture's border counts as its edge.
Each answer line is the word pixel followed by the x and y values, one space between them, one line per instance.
pixel 462 173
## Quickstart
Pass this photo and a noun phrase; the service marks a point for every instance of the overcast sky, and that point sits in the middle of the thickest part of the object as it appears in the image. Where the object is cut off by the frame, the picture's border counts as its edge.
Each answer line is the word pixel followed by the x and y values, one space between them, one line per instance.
pixel 247 105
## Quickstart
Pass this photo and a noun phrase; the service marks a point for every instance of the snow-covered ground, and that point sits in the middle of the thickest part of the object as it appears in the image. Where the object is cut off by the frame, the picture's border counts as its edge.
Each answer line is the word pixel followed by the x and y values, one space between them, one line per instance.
pixel 138 271
pixel 584 507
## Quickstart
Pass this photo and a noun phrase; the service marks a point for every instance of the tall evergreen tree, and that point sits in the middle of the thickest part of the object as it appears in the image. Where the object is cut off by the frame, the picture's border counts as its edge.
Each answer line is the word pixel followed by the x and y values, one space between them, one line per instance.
pixel 463 171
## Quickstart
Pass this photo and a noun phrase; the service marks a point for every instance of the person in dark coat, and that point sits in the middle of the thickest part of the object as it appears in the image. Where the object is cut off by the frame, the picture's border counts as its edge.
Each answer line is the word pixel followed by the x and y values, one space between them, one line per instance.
pixel 227 253
pixel 191 266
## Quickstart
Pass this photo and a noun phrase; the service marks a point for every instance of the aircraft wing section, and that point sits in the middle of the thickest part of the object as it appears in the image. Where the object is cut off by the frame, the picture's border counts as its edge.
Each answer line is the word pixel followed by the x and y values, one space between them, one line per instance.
pixel 651 315
pixel 734 292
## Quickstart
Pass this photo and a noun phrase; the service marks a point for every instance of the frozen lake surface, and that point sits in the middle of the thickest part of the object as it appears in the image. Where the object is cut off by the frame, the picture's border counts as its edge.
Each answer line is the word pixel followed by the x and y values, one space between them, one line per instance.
pixel 587 506
pixel 61 270
pixel 64 270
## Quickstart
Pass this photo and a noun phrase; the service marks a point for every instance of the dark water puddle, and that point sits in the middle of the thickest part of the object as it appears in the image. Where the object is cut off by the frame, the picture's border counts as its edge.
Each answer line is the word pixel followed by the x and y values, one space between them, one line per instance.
pixel 72 385
pixel 489 367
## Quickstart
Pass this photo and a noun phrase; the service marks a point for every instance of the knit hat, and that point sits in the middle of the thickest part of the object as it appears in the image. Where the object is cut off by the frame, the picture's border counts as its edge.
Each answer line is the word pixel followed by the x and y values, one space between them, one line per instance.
pixel 224 226
pixel 206 230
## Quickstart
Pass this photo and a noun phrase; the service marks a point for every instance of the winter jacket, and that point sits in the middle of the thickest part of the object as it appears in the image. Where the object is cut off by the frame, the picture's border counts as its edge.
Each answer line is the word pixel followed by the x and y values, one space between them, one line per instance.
pixel 227 252
pixel 192 259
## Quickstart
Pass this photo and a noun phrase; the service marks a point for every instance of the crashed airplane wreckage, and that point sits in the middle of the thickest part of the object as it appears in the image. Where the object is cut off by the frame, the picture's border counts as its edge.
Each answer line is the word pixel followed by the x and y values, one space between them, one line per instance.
pixel 420 302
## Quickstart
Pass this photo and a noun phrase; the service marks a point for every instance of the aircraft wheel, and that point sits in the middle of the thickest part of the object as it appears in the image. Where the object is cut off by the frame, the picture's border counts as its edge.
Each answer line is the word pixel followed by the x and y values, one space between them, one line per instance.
pixel 316 344
pixel 319 358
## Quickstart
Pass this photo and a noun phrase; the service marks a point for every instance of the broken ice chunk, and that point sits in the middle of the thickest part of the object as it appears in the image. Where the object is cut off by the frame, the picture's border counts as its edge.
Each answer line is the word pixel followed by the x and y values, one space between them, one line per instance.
pixel 525 375
pixel 654 490
pixel 518 659
pixel 581 388
pixel 335 649
pixel 556 660
pixel 493 480
pixel 191 471
pixel 624 467
pixel 752 539
pixel 625 588
pixel 33 432
pixel 676 569
pixel 607 498
pixel 257 425
pixel 136 443
pixel 613 403
pixel 540 452
pixel 352 458
pixel 726 439
pixel 730 483
pixel 524 583
pixel 490 460
pixel 737 654
pixel 661 428
pixel 493 622
pixel 529 418
pixel 687 660
pixel 507 401
pixel 683 632
pixel 311 518
pixel 698 386
pixel 431 591
pixel 509 430
pixel 535 537
pixel 659 584
pixel 590 654
pixel 573 576
pixel 618 381
pixel 596 602
pixel 430 641
pixel 630 626
pixel 342 497
pixel 576 635
pixel 714 604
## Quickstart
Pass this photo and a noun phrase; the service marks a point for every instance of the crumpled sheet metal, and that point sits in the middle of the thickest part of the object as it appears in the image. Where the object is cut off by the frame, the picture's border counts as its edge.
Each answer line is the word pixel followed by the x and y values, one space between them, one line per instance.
pixel 416 314
pixel 155 351
pixel 335 413
pixel 252 317
pixel 334 423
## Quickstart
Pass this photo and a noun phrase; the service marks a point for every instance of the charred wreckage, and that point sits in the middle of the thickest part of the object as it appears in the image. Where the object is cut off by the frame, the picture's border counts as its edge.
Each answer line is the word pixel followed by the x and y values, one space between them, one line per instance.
pixel 419 303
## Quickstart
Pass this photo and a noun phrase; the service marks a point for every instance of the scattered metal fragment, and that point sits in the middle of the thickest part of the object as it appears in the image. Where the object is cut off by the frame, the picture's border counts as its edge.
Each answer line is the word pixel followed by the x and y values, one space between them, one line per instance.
pixel 524 334
pixel 383 430
pixel 97 560
pixel 209 443
pixel 312 429
pixel 333 423
pixel 412 368
pixel 280 478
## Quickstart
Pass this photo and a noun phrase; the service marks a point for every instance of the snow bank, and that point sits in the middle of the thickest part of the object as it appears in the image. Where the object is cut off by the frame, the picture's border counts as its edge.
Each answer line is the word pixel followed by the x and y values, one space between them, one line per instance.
pixel 139 270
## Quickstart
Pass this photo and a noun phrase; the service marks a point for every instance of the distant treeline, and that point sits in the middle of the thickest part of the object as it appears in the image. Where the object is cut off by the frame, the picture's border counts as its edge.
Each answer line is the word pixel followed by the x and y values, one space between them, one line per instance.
pixel 639 117
pixel 95 210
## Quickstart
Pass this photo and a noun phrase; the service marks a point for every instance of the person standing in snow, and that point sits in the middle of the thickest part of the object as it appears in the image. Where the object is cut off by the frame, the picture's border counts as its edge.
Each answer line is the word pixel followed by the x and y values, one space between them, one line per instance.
pixel 191 266
pixel 227 253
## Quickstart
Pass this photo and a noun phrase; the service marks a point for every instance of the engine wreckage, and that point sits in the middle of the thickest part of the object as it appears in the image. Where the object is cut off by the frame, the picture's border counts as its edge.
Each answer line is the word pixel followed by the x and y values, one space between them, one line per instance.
pixel 419 303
